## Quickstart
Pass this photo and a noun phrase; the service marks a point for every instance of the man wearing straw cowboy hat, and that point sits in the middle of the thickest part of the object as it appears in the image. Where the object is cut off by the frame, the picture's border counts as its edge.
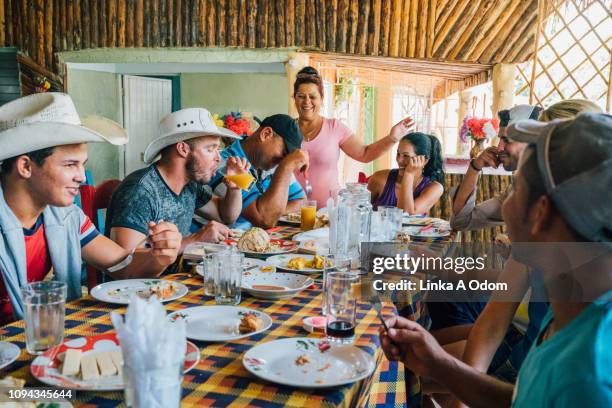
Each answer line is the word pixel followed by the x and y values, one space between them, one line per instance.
pixel 43 149
pixel 174 187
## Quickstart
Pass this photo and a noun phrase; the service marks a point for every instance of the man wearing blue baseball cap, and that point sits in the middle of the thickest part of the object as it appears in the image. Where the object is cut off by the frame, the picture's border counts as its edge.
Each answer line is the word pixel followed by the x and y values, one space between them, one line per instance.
pixel 274 153
pixel 559 218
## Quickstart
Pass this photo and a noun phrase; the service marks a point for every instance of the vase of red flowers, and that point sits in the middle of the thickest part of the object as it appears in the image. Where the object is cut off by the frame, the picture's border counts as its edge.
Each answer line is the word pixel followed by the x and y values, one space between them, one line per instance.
pixel 479 131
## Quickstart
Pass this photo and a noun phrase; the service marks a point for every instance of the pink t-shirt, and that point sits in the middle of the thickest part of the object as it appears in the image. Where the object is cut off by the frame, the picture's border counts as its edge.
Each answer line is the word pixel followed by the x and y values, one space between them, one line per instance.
pixel 324 153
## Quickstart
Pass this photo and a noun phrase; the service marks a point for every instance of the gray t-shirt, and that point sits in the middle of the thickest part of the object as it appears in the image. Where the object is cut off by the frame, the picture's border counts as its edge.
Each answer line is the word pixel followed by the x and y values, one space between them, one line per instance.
pixel 144 196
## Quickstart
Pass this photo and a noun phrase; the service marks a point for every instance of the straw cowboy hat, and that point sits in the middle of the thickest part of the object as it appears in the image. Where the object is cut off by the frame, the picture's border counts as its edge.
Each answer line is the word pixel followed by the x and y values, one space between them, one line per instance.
pixel 50 119
pixel 183 125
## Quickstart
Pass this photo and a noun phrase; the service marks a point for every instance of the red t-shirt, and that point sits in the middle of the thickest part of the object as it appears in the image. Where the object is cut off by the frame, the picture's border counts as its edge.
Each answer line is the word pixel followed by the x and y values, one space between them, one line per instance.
pixel 38 261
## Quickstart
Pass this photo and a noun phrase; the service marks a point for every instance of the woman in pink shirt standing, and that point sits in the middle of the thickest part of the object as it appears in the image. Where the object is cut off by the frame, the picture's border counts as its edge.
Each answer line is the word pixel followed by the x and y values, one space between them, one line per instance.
pixel 324 137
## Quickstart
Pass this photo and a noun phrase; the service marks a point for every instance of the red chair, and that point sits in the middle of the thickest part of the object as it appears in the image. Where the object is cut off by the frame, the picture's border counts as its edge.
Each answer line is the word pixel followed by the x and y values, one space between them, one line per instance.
pixel 92 200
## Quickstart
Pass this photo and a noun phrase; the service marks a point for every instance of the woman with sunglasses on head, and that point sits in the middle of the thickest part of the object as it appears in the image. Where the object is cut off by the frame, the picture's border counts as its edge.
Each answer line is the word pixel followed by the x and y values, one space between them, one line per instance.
pixel 417 184
pixel 325 137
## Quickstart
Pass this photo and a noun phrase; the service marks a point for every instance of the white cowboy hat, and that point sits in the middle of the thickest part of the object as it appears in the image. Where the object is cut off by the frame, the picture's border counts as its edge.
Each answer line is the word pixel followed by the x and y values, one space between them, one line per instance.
pixel 50 119
pixel 182 125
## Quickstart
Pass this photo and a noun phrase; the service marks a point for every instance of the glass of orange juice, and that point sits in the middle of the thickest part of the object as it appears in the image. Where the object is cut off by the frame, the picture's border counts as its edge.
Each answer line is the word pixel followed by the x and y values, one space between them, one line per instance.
pixel 242 180
pixel 308 213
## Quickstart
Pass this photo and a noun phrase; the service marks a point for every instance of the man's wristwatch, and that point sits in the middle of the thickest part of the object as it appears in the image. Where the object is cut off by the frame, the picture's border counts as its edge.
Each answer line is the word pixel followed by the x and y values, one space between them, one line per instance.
pixel 472 165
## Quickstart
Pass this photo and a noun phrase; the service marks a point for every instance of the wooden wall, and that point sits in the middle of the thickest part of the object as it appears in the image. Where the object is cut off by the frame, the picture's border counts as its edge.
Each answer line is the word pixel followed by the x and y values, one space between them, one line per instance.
pixel 484 31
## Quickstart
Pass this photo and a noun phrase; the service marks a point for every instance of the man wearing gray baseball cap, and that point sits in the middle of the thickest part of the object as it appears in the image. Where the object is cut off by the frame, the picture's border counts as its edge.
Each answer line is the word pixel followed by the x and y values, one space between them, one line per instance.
pixel 559 218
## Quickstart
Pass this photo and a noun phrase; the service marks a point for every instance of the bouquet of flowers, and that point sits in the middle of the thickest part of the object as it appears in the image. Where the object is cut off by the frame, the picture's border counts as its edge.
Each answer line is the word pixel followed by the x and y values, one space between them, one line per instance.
pixel 234 122
pixel 478 130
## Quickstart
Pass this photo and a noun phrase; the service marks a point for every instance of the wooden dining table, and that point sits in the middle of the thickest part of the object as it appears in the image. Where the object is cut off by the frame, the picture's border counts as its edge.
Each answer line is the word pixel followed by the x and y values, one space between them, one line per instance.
pixel 219 378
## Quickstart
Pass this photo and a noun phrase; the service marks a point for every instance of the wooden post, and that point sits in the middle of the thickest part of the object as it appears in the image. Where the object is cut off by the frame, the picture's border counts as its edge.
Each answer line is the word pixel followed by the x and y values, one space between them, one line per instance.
pixel 280 24
pixel 103 17
pixel 48 13
pixel 362 30
pixel 342 24
pixel 300 24
pixel 221 36
pixel 296 62
pixel 40 33
pixel 354 20
pixel 503 87
pixel 272 30
pixel 154 40
pixel 374 28
pixel 242 28
pixel 262 24
pixel 290 23
pixel 311 24
pixel 139 33
pixel 396 19
pixel 95 26
pixel 211 27
pixel 385 28
pixel 332 14
pixel 321 24
pixel 232 23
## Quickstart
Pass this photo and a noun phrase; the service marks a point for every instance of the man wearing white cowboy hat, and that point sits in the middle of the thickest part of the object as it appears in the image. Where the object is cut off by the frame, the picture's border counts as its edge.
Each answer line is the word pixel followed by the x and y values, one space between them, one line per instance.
pixel 43 151
pixel 174 188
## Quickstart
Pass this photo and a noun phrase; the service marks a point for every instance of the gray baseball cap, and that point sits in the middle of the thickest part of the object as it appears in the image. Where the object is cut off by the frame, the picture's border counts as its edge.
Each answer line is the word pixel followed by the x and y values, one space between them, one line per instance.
pixel 581 149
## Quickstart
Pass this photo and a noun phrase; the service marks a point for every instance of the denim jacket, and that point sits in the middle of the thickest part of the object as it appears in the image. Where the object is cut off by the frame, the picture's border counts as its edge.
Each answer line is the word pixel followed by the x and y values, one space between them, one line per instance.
pixel 62 227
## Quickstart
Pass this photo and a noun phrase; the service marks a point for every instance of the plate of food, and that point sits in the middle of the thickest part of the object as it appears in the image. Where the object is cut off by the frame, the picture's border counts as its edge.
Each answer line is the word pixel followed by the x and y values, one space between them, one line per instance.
pixel 91 363
pixel 313 242
pixel 308 363
pixel 427 232
pixel 119 291
pixel 222 323
pixel 257 243
pixel 197 250
pixel 276 285
pixel 9 352
pixel 298 263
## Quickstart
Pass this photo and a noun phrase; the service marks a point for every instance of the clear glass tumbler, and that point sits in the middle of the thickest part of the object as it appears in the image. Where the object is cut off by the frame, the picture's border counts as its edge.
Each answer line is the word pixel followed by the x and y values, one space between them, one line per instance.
pixel 341 294
pixel 45 309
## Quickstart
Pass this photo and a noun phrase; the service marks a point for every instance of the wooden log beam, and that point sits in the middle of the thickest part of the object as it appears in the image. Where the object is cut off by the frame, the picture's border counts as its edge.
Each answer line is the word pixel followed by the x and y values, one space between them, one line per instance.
pixel 186 22
pixel 95 23
pixel 155 36
pixel 48 15
pixel 445 29
pixel 102 21
pixel 34 66
pixel 280 24
pixel 65 36
pixel 121 21
pixel 385 27
pixel 139 23
pixel 497 8
pixel 343 6
pixel 130 7
pixel 112 23
pixel 413 28
pixel 475 24
pixel 300 24
pixel 332 14
pixel 431 26
pixel 262 24
pixel 232 25
pixel 507 26
pixel 421 43
pixel 492 33
pixel 526 25
pixel 311 24
pixel 289 22
pixel 394 30
pixel 321 7
pixel 164 28
pixel 271 19
pixel 40 32
pixel 374 28
pixel 242 28
pixel 211 28
pixel 353 22
pixel 362 31
pixel 57 5
pixel 251 23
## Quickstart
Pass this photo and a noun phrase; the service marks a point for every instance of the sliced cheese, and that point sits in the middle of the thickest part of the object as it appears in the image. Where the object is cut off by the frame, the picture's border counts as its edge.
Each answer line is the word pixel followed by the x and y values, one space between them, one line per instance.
pixel 105 364
pixel 89 367
pixel 72 361
pixel 117 358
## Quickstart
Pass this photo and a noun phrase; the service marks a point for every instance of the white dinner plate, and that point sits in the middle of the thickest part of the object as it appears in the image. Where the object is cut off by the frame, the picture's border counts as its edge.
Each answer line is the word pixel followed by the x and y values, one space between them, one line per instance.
pixel 47 367
pixel 308 363
pixel 197 250
pixel 430 233
pixel 9 352
pixel 276 285
pixel 119 291
pixel 217 323
pixel 295 220
pixel 248 265
pixel 282 262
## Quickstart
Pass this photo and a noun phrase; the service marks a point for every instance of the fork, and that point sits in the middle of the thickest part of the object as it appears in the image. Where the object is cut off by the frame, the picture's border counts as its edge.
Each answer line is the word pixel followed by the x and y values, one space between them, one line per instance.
pixel 307 185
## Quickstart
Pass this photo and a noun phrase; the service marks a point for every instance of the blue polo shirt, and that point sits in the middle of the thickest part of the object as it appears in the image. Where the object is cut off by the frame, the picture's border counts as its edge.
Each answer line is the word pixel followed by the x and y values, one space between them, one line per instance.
pixel 574 367
pixel 261 185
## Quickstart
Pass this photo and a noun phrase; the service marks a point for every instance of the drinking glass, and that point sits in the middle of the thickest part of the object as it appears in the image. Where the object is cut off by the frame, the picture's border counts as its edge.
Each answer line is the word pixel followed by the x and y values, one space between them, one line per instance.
pixel 308 214
pixel 156 385
pixel 341 294
pixel 392 220
pixel 208 268
pixel 228 277
pixel 333 263
pixel 45 308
